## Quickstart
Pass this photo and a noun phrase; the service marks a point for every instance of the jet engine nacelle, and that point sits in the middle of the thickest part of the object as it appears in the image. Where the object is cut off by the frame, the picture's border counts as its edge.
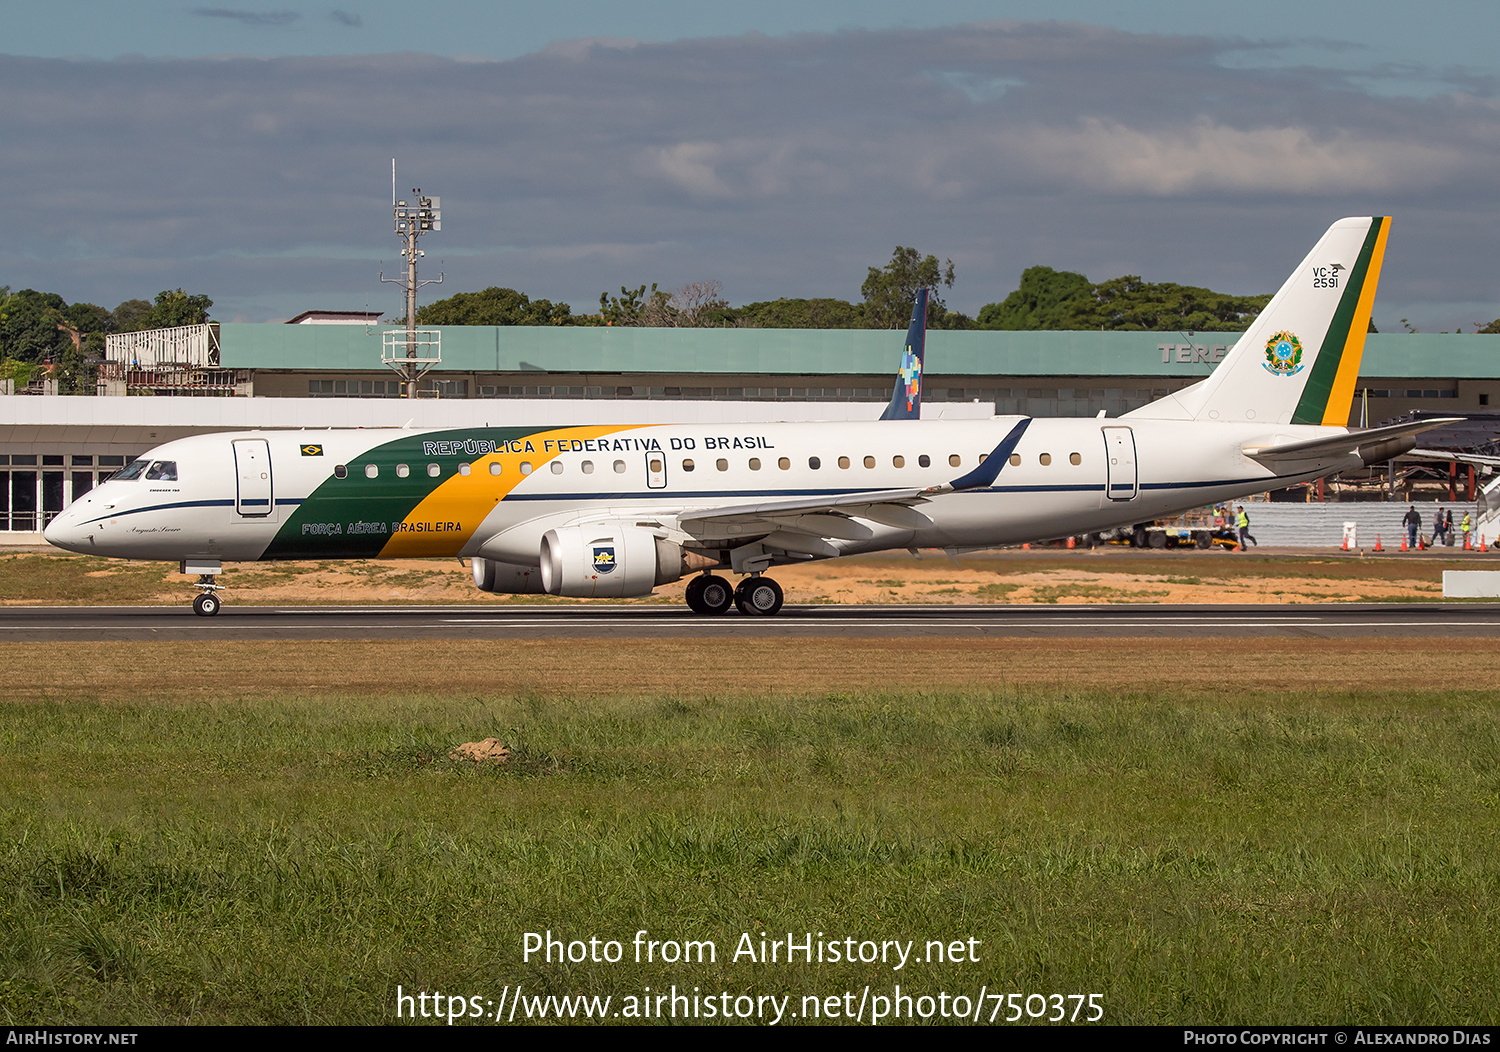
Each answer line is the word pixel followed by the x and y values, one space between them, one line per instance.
pixel 492 575
pixel 609 560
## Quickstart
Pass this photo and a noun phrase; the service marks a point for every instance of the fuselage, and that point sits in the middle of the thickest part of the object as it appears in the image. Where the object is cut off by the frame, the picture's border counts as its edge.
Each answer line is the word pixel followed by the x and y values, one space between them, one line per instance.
pixel 494 492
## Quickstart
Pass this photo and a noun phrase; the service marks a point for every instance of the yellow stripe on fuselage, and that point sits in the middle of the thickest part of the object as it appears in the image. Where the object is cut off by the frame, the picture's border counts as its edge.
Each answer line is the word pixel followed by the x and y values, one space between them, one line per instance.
pixel 448 516
pixel 1341 396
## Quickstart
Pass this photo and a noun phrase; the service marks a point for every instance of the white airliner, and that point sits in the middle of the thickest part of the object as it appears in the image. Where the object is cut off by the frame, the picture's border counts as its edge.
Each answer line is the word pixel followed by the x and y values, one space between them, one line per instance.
pixel 614 511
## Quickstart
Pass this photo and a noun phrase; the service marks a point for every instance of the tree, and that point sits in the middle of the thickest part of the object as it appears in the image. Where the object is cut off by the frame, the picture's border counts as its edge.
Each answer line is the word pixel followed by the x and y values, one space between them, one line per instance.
pixel 174 307
pixel 798 314
pixel 29 325
pixel 697 305
pixel 1045 298
pixel 1051 299
pixel 131 316
pixel 494 306
pixel 889 292
pixel 628 307
pixel 89 317
pixel 1492 328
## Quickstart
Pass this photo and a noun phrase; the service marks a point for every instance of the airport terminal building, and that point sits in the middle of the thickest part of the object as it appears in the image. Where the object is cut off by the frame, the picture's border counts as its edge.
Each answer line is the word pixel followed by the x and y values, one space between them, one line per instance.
pixel 171 383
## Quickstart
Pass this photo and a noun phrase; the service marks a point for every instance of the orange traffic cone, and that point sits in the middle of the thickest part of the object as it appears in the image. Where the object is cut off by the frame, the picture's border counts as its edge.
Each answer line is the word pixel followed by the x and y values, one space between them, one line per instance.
pixel 1072 542
pixel 1026 547
pixel 1468 544
pixel 1481 542
pixel 1378 548
pixel 1345 546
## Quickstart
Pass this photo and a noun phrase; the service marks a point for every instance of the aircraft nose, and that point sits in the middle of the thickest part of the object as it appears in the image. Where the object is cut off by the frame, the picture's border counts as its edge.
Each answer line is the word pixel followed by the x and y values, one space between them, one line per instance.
pixel 62 532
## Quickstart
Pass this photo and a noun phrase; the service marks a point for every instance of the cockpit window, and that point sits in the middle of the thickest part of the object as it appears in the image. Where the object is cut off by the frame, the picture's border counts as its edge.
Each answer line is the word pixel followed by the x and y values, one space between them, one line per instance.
pixel 132 472
pixel 162 471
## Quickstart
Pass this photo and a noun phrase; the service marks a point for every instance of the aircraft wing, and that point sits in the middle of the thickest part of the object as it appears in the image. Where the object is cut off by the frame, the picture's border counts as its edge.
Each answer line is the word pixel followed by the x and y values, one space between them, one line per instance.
pixel 833 516
pixel 1371 445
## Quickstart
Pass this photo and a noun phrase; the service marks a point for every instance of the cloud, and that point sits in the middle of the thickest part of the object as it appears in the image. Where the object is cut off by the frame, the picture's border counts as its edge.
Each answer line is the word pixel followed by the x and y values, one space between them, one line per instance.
pixel 344 18
pixel 783 166
pixel 1209 157
pixel 249 18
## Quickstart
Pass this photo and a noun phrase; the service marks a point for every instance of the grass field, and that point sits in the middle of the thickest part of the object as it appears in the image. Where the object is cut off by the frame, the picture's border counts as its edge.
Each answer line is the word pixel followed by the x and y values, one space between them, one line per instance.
pixel 1041 576
pixel 1197 831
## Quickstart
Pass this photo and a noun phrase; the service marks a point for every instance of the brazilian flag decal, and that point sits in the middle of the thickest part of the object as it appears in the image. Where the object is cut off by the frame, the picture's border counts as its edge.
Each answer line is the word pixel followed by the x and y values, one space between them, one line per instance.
pixel 312 451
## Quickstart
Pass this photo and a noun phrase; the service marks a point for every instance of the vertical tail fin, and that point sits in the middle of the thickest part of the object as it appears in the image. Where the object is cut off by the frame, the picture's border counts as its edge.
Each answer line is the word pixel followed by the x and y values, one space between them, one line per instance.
pixel 906 399
pixel 1298 361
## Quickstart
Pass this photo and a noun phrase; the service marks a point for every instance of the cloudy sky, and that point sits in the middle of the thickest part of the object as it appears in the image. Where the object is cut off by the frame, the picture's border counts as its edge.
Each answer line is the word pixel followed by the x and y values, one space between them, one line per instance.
pixel 244 150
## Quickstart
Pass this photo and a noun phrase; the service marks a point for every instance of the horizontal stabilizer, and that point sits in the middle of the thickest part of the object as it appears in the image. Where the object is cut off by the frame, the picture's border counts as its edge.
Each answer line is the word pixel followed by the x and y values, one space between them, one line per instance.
pixel 1376 443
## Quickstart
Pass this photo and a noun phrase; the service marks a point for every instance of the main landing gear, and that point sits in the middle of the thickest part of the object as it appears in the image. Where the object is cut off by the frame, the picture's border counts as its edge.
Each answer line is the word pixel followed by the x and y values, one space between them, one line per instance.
pixel 756 596
pixel 708 594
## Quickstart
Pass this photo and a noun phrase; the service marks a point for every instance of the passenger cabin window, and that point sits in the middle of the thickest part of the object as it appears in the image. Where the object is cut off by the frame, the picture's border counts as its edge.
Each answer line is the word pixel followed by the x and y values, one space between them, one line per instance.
pixel 814 463
pixel 371 471
pixel 656 466
pixel 341 471
pixel 162 471
pixel 687 465
pixel 557 468
pixel 784 464
pixel 924 461
pixel 433 470
pixel 898 461
pixel 1015 460
pixel 495 467
pixel 755 463
pixel 464 469
pixel 1075 459
pixel 722 464
pixel 843 462
pixel 1046 459
pixel 526 467
pixel 954 460
pixel 587 467
pixel 402 470
pixel 133 472
pixel 620 467
pixel 869 462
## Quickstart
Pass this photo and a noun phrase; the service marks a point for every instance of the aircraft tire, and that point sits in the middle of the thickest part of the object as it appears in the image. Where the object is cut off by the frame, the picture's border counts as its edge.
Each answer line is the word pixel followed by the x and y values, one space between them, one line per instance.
pixel 1204 541
pixel 718 595
pixel 758 597
pixel 206 605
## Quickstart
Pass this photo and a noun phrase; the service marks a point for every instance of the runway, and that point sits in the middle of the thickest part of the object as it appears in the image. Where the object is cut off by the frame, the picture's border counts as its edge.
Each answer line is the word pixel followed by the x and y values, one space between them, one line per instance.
pixel 1384 620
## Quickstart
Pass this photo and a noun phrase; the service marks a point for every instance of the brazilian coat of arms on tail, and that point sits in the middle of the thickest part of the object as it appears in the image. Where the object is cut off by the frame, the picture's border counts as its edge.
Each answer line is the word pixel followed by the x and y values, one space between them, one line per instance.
pixel 1284 354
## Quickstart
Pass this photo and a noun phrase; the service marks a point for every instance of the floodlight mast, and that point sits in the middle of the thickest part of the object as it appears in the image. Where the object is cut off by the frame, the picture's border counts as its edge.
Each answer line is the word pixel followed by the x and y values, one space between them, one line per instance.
pixel 423 215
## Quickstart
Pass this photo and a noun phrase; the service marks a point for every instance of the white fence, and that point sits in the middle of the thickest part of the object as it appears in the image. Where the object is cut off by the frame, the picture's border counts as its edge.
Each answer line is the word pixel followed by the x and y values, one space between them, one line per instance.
pixel 182 347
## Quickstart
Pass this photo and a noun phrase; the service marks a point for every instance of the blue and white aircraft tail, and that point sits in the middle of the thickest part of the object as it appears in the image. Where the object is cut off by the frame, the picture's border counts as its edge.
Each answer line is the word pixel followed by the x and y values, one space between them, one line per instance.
pixel 906 399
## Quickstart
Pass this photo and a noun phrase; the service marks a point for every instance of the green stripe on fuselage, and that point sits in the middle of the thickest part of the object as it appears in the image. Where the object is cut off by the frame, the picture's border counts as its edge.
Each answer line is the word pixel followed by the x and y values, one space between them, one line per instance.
pixel 353 517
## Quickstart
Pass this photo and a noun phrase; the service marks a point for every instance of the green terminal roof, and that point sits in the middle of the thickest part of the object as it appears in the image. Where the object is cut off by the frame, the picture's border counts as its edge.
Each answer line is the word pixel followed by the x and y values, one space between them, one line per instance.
pixel 809 352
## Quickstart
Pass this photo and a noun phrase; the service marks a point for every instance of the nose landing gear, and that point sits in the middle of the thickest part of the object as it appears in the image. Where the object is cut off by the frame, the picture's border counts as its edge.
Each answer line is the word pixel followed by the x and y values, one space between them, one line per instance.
pixel 207 602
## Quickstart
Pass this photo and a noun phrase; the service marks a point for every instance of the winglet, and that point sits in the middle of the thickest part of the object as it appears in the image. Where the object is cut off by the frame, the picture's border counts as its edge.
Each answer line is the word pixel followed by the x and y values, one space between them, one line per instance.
pixel 906 399
pixel 988 469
